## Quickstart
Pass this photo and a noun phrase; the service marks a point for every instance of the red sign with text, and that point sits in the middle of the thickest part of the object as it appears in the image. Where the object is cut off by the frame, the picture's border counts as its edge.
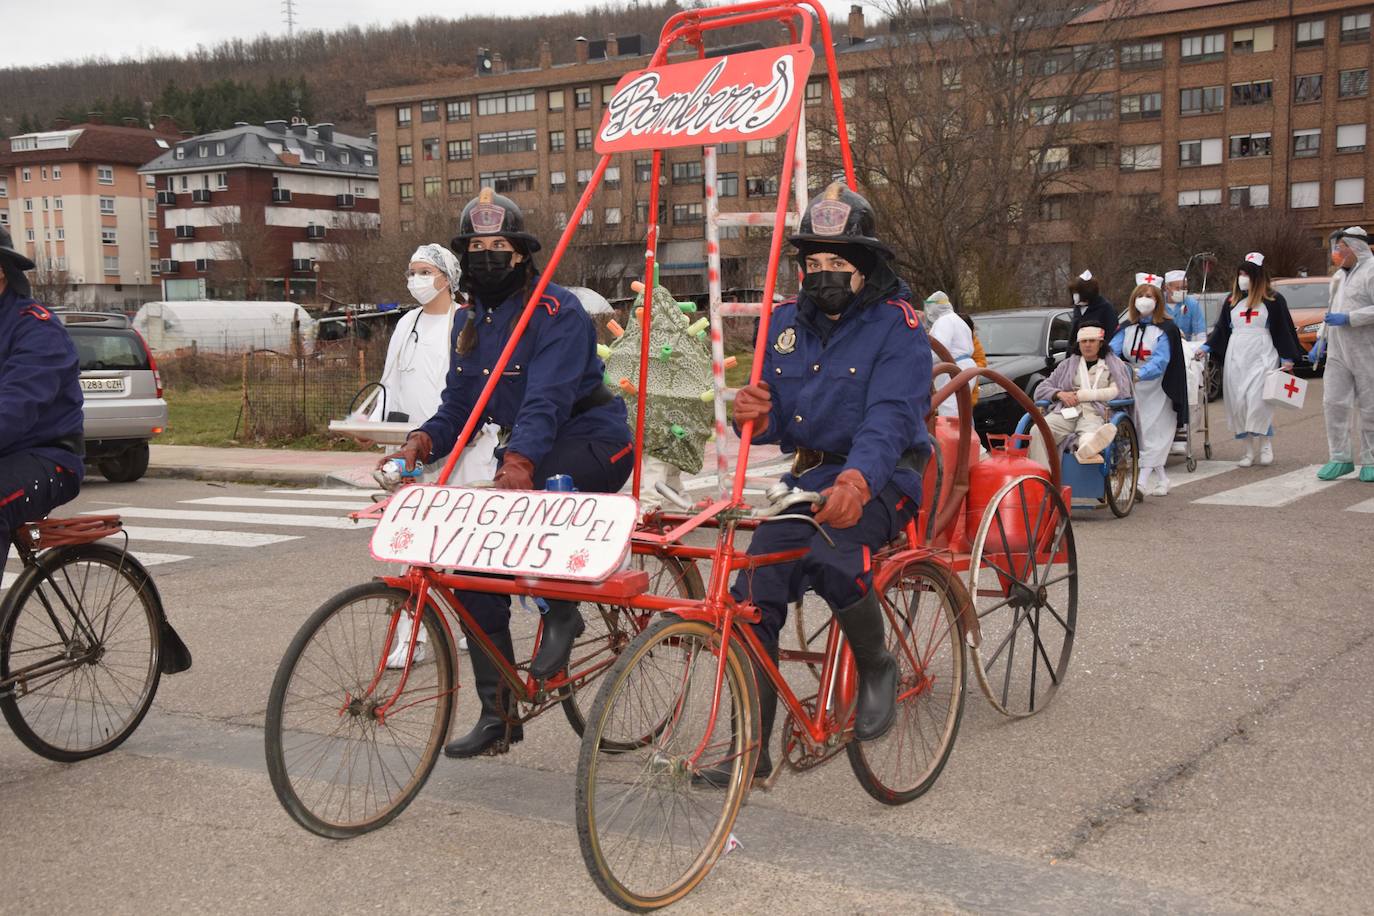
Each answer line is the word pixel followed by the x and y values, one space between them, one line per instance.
pixel 754 95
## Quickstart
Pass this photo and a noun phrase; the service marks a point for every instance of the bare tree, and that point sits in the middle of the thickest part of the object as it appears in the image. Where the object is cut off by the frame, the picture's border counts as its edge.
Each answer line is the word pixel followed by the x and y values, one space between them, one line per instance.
pixel 51 286
pixel 367 265
pixel 247 255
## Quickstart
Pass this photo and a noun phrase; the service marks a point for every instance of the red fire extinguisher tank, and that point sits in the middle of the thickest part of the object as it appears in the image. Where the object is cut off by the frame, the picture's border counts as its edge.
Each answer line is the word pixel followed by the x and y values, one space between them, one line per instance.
pixel 940 472
pixel 1003 463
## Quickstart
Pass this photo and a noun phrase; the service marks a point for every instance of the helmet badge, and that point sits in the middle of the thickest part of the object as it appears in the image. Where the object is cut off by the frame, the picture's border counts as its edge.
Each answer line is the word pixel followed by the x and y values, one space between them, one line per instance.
pixel 829 217
pixel 487 218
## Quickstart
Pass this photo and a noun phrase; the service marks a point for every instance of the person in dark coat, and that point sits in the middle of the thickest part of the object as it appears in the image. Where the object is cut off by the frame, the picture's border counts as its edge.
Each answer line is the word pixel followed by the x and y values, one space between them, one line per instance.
pixel 1091 307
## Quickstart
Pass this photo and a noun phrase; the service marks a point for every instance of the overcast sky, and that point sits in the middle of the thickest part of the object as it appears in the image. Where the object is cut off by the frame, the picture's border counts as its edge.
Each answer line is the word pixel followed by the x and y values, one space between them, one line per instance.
pixel 135 28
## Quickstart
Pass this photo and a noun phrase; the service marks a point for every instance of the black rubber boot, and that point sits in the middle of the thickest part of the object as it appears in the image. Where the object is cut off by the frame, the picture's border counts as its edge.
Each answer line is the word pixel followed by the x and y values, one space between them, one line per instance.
pixel 862 623
pixel 493 734
pixel 562 624
pixel 718 776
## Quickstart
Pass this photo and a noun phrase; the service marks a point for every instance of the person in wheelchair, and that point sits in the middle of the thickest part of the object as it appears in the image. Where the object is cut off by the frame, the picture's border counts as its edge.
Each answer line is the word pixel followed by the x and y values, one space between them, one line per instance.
pixel 556 416
pixel 1078 391
pixel 845 390
pixel 41 446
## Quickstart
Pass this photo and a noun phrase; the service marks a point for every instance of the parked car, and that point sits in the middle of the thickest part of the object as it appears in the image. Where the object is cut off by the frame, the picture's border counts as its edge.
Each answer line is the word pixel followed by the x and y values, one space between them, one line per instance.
pixel 1308 299
pixel 124 408
pixel 1025 345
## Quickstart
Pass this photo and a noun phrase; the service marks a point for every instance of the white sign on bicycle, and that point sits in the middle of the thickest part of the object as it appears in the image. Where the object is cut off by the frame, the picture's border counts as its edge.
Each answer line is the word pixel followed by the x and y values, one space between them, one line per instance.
pixel 581 536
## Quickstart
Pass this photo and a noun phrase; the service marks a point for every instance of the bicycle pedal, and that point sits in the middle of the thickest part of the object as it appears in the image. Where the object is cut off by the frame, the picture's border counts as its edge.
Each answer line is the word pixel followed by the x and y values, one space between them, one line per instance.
pixel 497 748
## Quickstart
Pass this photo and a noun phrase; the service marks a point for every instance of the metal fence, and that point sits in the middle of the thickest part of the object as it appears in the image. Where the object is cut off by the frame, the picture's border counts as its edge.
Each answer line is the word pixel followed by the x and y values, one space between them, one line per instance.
pixel 289 396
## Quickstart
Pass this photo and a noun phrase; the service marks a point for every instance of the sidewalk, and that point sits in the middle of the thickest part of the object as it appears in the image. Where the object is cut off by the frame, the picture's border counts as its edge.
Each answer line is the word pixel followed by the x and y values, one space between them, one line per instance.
pixel 317 469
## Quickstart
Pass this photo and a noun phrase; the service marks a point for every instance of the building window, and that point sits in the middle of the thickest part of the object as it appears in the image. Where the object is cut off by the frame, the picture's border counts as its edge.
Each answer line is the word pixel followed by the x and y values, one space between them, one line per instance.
pixel 1251 146
pixel 582 97
pixel 107 206
pixel 686 214
pixel 1090 156
pixel 761 147
pixel 344 158
pixel 429 111
pixel 612 216
pixel 1094 107
pixel 203 150
pixel 458 110
pixel 556 100
pixel 105 174
pixel 459 149
pixel 727 149
pixel 584 138
pixel 1143 55
pixel 584 178
pixel 558 141
pixel 762 186
pixel 26 174
pixel 607 93
pixel 404 154
pixel 1054 159
pixel 848 86
pixel 320 155
pixel 1143 158
pixel 181 152
pixel 1254 40
pixel 494 103
pixel 1199 152
pixel 403 116
pixel 459 187
pixel 644 170
pixel 1198 48
pixel 152 208
pixel 1202 100
pixel 508 180
pixel 1348 191
pixel 1304 195
pixel 112 264
pixel 687 172
pixel 407 192
pixel 1308 88
pixel 432 187
pixel 219 149
pixel 62 235
pixel 29 235
pixel 1143 107
pixel 45 205
pixel 4 187
pixel 367 159
pixel 558 181
pixel 57 173
pixel 429 149
pixel 1355 27
pixel 1311 34
pixel 727 184
pixel 815 92
pixel 57 203
pixel 588 217
pixel 152 237
pixel 1205 198
pixel 501 142
pixel 107 237
pixel 1349 138
pixel 1306 143
pixel 1051 209
pixel 1354 83
pixel 1259 92
pixel 611 180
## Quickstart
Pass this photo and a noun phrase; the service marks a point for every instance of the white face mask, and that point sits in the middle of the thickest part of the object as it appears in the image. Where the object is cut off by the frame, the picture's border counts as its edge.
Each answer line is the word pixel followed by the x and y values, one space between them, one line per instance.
pixel 1243 281
pixel 1076 300
pixel 423 289
pixel 1176 296
pixel 1145 305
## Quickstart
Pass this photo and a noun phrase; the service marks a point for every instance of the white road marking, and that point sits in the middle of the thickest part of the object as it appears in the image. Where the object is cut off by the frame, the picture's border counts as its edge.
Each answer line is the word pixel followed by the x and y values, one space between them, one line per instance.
pixel 1272 492
pixel 157 559
pixel 258 502
pixel 7 579
pixel 1366 506
pixel 244 518
pixel 205 536
pixel 1179 475
pixel 355 492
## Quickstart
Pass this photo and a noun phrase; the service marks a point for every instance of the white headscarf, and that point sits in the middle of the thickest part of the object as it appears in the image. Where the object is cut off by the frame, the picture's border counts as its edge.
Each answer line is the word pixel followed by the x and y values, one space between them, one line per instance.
pixel 444 260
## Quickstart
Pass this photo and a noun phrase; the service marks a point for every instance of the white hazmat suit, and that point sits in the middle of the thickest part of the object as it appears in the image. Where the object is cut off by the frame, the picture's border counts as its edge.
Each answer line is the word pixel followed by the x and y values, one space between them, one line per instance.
pixel 1348 387
pixel 949 329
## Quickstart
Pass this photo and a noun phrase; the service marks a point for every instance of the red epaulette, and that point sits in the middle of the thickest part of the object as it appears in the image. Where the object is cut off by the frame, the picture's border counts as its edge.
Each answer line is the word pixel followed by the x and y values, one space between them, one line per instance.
pixel 550 304
pixel 909 312
pixel 37 311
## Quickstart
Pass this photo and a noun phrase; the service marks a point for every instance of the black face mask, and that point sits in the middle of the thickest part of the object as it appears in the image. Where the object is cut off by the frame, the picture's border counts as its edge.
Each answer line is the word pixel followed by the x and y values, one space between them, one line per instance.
pixel 829 290
pixel 491 273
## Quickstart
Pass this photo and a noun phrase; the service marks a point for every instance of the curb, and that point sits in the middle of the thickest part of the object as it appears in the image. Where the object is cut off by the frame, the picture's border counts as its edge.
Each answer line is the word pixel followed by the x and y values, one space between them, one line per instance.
pixel 241 475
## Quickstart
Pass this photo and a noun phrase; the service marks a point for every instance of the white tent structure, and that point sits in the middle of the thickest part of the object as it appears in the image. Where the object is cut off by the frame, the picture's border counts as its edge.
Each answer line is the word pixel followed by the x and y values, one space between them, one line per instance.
pixel 223 326
pixel 593 303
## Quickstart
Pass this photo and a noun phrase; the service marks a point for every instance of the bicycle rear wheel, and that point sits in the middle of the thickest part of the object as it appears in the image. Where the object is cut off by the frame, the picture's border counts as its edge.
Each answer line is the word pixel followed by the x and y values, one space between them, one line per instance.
pixel 338 766
pixel 649 833
pixel 921 601
pixel 79 640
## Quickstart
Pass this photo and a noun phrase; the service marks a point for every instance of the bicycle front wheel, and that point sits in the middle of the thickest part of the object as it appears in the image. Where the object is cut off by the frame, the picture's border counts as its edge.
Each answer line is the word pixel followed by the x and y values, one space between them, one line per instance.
pixel 79 647
pixel 650 831
pixel 341 761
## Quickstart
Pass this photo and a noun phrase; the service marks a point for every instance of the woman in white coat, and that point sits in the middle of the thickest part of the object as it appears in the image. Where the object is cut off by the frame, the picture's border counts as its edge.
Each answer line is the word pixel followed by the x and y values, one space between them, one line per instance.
pixel 1253 336
pixel 1151 346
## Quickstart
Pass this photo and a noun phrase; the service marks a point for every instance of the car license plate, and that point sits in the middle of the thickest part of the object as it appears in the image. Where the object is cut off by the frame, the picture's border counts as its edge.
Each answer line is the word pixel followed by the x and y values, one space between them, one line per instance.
pixel 102 385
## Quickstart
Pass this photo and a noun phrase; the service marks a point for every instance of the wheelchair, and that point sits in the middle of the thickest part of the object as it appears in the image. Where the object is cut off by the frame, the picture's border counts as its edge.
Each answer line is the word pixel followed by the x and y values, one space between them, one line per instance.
pixel 1113 482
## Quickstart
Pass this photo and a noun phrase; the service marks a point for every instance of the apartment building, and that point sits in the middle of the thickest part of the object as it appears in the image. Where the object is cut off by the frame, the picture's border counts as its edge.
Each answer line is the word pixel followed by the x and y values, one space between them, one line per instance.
pixel 75 203
pixel 1221 103
pixel 257 210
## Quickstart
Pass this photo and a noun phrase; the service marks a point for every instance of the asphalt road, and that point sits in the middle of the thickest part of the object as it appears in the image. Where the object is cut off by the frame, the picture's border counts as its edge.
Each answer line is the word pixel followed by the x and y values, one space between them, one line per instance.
pixel 1210 751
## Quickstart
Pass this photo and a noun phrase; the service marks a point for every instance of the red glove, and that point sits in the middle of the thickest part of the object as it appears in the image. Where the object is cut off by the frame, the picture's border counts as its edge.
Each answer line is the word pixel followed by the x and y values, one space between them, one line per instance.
pixel 516 473
pixel 753 402
pixel 844 502
pixel 417 449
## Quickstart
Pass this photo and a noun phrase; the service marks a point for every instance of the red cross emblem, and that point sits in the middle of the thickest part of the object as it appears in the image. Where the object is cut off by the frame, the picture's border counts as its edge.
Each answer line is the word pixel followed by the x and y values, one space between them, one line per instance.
pixel 1291 388
pixel 1141 352
pixel 1249 313
pixel 1153 280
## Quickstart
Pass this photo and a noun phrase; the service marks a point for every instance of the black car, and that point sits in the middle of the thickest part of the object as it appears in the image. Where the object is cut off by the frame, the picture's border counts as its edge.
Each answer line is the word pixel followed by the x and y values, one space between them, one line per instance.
pixel 1025 345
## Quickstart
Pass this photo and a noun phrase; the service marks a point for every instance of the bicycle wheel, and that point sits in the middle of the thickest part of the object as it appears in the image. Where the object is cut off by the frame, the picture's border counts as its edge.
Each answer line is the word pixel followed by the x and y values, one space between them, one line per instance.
pixel 610 627
pixel 648 834
pixel 79 638
pixel 921 601
pixel 1121 482
pixel 1023 579
pixel 337 767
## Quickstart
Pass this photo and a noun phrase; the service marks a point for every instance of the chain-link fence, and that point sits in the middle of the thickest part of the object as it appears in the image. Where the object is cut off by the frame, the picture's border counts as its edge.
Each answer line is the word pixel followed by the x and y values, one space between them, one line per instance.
pixel 287 396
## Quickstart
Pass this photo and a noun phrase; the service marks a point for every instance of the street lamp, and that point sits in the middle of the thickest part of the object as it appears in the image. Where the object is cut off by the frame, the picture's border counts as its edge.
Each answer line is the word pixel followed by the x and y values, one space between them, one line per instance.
pixel 319 296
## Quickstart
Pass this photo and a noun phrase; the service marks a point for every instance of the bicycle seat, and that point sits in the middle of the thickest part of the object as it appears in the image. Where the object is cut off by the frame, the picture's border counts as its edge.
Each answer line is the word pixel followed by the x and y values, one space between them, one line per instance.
pixel 64 532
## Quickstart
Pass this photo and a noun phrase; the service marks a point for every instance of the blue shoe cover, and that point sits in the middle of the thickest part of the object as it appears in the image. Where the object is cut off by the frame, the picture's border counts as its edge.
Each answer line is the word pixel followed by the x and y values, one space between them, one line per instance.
pixel 1333 469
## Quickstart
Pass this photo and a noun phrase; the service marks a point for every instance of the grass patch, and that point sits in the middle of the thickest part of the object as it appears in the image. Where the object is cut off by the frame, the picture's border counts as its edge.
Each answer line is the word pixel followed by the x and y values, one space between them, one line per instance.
pixel 208 416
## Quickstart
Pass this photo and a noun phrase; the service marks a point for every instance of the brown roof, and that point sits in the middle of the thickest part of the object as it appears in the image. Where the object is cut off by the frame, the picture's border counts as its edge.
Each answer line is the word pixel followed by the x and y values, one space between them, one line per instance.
pixel 105 143
pixel 1115 9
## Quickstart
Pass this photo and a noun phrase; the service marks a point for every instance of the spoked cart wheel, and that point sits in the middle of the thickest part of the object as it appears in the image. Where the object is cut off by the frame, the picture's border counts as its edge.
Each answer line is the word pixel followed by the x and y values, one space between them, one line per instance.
pixel 650 832
pixel 921 601
pixel 339 764
pixel 1121 482
pixel 1023 579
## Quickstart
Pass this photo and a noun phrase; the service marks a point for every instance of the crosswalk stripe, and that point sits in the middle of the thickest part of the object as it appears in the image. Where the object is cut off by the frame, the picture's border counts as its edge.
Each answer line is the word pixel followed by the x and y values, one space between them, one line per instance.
pixel 1272 492
pixel 1366 506
pixel 259 502
pixel 7 579
pixel 355 492
pixel 207 536
pixel 243 518
pixel 157 559
pixel 1205 469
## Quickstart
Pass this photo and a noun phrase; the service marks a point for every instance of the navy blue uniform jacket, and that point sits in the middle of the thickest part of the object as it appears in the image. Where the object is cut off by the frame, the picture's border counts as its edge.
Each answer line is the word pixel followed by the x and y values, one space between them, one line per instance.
pixel 40 382
pixel 554 365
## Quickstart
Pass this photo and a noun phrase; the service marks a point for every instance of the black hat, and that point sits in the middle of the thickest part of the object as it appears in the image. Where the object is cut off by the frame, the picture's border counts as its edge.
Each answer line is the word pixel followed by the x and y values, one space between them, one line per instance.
pixel 9 254
pixel 839 216
pixel 490 213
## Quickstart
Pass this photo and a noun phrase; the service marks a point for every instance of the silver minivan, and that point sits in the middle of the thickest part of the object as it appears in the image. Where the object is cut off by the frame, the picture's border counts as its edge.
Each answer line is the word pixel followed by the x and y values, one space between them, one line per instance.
pixel 124 408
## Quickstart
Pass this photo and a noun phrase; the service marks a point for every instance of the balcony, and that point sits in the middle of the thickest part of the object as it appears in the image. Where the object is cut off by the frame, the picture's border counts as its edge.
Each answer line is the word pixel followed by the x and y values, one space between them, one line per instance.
pixel 302 265
pixel 185 232
pixel 200 196
pixel 202 265
pixel 345 201
pixel 169 266
pixel 166 198
pixel 281 195
pixel 314 232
